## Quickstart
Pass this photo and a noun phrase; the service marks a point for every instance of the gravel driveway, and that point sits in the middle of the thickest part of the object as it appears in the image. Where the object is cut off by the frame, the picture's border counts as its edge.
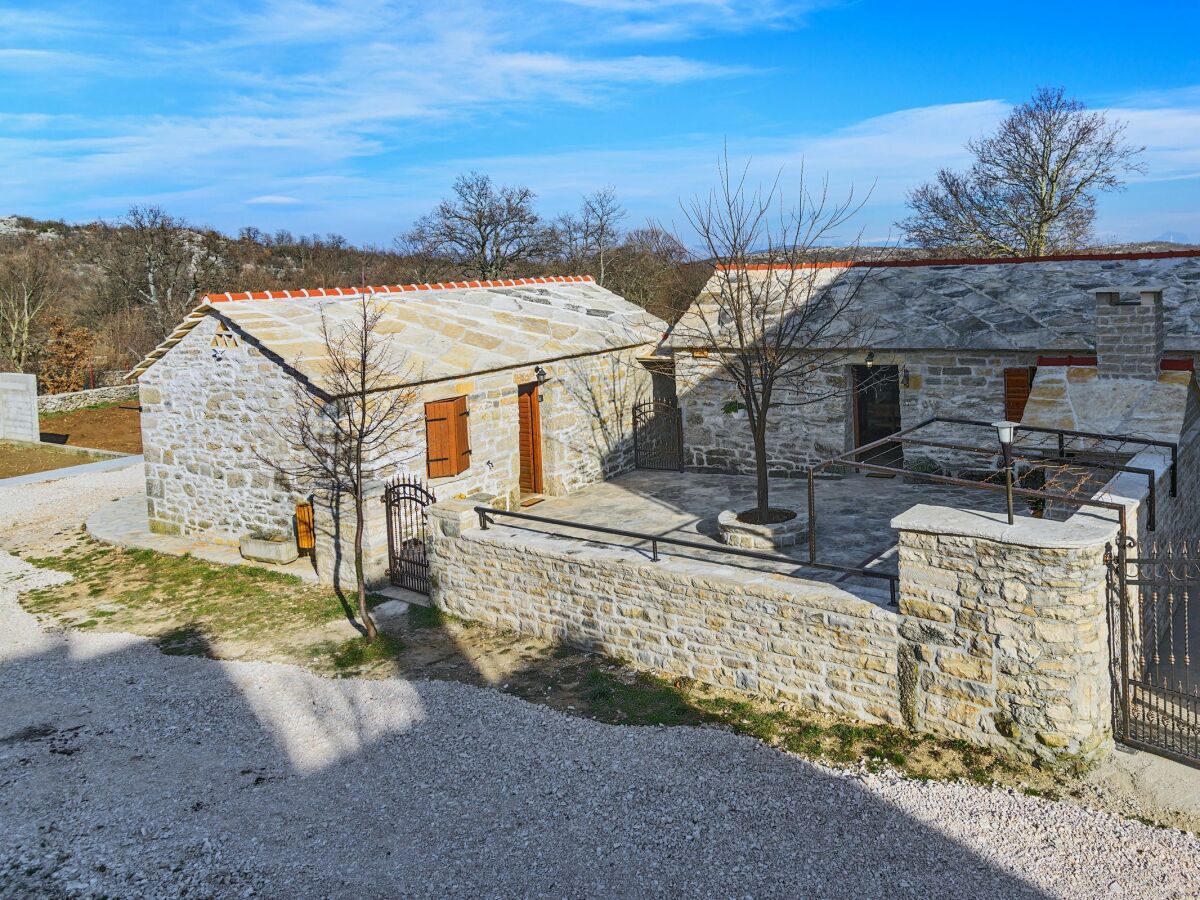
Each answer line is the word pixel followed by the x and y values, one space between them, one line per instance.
pixel 125 772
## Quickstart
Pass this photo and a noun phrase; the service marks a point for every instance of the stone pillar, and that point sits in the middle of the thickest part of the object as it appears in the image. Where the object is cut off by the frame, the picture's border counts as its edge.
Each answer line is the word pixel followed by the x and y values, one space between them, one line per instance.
pixel 1129 333
pixel 1008 631
pixel 334 523
pixel 19 407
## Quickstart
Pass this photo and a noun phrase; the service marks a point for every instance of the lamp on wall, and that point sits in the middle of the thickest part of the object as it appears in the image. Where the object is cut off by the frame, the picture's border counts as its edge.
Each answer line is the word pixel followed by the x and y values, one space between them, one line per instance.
pixel 870 360
pixel 1005 431
pixel 540 374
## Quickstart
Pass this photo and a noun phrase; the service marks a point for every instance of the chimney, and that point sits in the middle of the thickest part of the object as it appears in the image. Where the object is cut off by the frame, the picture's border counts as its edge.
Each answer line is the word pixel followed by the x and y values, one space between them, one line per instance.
pixel 1129 333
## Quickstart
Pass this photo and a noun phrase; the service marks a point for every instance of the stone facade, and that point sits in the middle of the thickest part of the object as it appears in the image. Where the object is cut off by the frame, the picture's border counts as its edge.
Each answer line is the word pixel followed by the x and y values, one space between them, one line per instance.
pixel 18 407
pixel 1000 638
pixel 963 384
pixel 81 399
pixel 210 414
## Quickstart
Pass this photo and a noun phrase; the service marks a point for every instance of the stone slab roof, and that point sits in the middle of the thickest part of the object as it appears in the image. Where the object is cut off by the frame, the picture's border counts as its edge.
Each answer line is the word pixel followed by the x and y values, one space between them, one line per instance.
pixel 441 331
pixel 1035 304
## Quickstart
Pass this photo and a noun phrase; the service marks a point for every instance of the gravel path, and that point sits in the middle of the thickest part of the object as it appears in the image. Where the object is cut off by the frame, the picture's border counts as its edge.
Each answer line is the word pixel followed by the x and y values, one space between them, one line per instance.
pixel 124 772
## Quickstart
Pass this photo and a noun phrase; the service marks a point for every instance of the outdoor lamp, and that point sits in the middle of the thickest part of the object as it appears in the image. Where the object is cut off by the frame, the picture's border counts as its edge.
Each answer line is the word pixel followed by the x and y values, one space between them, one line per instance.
pixel 1004 431
pixel 540 374
pixel 870 358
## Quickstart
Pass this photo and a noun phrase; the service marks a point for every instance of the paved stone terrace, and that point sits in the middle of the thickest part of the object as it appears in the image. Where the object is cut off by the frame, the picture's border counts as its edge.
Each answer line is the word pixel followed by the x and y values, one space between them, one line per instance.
pixel 854 515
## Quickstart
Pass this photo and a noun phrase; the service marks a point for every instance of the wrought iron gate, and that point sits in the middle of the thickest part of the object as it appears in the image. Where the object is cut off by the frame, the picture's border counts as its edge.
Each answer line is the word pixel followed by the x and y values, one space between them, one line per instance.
pixel 657 435
pixel 1156 649
pixel 408 565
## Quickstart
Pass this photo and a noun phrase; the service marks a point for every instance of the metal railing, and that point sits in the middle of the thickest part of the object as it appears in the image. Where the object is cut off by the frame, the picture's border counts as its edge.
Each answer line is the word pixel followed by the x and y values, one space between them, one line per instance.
pixel 487 515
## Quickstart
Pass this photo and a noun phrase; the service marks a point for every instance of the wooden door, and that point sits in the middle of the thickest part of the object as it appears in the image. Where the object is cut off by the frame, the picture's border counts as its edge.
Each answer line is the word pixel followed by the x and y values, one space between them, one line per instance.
pixel 877 413
pixel 530 438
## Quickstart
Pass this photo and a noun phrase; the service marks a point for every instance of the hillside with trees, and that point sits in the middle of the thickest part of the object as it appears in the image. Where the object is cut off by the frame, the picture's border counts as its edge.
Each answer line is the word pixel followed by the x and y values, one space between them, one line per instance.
pixel 80 303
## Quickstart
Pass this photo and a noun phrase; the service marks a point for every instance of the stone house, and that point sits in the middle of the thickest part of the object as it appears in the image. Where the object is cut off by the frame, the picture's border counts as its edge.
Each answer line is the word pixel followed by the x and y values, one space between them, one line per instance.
pixel 520 387
pixel 1104 343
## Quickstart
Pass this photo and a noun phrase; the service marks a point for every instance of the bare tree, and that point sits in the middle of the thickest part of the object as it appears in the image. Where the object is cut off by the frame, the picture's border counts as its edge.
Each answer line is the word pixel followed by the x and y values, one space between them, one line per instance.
pixel 488 232
pixel 587 239
pixel 652 268
pixel 31 276
pixel 1032 188
pixel 158 264
pixel 780 329
pixel 341 431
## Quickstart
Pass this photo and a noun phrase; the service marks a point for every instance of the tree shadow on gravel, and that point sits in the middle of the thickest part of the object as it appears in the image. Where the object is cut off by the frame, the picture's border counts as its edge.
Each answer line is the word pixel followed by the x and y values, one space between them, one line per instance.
pixel 182 770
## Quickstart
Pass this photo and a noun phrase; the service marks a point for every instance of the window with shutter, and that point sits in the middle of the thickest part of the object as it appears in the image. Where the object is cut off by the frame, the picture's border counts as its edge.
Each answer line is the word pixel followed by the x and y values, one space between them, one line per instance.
pixel 1017 383
pixel 447 437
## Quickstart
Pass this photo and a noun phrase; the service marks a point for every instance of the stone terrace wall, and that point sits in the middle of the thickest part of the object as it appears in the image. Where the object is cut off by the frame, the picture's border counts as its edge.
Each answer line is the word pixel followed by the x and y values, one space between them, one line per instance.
pixel 18 407
pixel 80 399
pixel 1000 639
pixel 1010 629
pixel 807 642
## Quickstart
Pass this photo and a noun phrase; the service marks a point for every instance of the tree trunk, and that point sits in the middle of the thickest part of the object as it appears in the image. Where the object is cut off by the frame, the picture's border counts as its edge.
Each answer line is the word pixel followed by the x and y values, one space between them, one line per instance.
pixel 359 579
pixel 761 485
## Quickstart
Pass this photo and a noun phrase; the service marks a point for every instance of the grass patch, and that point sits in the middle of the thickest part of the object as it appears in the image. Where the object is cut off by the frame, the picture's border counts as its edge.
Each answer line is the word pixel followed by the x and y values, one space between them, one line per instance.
pixel 107 404
pixel 356 652
pixel 141 589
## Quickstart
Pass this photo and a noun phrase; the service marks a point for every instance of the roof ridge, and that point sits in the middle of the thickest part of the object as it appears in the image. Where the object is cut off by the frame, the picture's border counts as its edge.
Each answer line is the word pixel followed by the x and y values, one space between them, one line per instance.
pixel 303 293
pixel 970 261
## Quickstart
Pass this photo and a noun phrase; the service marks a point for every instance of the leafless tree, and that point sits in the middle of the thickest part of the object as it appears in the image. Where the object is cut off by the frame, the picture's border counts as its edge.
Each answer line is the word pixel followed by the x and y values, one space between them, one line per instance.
pixel 652 268
pixel 780 329
pixel 158 264
pixel 343 429
pixel 587 239
pixel 488 232
pixel 1032 188
pixel 31 276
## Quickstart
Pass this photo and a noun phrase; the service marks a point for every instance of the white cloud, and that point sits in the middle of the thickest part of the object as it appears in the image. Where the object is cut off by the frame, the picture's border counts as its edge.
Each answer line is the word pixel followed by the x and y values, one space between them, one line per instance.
pixel 273 200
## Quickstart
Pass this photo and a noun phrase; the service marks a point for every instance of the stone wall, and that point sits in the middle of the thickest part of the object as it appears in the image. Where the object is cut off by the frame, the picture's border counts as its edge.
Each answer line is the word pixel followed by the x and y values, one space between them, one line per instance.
pixel 18 407
pixel 1129 334
pixel 81 399
pixel 1000 638
pixel 209 418
pixel 1009 629
pixel 962 384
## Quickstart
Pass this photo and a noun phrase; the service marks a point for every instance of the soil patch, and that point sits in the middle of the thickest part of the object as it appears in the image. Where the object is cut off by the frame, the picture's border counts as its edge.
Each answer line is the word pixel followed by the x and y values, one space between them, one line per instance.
pixel 107 426
pixel 25 459
pixel 774 516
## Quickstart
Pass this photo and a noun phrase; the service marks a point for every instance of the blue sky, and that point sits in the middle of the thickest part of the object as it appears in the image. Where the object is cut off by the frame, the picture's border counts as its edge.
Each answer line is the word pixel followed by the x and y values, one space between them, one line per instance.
pixel 354 116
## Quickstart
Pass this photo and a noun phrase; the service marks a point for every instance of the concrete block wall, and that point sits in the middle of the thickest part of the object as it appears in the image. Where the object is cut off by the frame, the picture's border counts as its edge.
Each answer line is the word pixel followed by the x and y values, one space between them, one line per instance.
pixel 1000 639
pixel 18 407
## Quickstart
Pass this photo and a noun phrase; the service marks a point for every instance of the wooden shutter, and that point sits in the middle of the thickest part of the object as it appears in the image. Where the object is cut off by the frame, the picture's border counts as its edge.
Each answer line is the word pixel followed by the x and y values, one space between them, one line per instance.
pixel 1017 383
pixel 306 535
pixel 447 437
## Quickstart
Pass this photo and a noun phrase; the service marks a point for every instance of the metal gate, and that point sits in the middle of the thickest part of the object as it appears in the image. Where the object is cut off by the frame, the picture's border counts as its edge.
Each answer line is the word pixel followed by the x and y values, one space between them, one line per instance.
pixel 657 435
pixel 1156 649
pixel 408 565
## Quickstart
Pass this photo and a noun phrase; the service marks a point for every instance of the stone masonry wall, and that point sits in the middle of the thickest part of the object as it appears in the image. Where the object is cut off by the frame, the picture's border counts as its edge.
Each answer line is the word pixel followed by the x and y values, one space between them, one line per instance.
pixel 18 407
pixel 1000 639
pixel 81 399
pixel 806 642
pixel 1129 334
pixel 963 384
pixel 1010 630
pixel 207 418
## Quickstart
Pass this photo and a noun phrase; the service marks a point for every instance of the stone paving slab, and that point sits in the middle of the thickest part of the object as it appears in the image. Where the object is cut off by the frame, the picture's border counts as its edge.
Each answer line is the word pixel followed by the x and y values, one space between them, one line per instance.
pixel 854 514
pixel 123 522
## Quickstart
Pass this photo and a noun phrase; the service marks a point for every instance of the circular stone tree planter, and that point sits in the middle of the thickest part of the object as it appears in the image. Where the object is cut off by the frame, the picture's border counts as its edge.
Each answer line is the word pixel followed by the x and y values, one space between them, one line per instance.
pixel 753 536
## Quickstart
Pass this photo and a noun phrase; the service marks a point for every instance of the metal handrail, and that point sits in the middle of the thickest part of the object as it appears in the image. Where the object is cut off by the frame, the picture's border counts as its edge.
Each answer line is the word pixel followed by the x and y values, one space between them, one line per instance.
pixel 487 514
pixel 1067 432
